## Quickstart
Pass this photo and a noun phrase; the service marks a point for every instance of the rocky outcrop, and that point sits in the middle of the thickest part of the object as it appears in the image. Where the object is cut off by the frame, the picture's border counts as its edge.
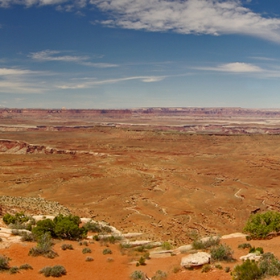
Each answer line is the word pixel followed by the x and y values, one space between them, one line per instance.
pixel 19 147
pixel 251 257
pixel 196 259
pixel 33 205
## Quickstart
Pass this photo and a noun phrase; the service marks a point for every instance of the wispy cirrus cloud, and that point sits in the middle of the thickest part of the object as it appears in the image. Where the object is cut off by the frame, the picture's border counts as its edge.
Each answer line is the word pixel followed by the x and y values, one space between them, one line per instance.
pixel 235 67
pixel 53 55
pixel 88 83
pixel 244 69
pixel 28 3
pixel 15 72
pixel 15 80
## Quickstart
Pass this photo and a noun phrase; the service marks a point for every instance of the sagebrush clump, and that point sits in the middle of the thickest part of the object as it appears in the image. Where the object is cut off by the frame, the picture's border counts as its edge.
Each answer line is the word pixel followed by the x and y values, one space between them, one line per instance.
pixel 55 271
pixel 222 252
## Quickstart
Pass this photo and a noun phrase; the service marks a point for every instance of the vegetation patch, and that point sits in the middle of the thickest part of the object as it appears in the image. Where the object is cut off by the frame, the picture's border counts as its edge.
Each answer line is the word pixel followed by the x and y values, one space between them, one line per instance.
pixel 244 246
pixel 4 263
pixel 107 251
pixel 268 266
pixel 206 268
pixel 14 270
pixel 166 245
pixel 26 266
pixel 55 271
pixel 86 251
pixel 44 247
pixel 67 247
pixel 199 244
pixel 63 227
pixel 160 275
pixel 137 275
pixel 222 252
pixel 260 225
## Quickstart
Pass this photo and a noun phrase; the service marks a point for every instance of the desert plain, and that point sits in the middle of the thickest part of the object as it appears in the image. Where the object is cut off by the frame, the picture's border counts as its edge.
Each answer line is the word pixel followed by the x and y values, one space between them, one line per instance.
pixel 165 173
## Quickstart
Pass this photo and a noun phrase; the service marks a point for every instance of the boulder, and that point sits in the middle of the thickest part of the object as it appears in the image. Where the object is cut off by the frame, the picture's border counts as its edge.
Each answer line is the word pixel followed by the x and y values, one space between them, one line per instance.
pixel 196 259
pixel 251 257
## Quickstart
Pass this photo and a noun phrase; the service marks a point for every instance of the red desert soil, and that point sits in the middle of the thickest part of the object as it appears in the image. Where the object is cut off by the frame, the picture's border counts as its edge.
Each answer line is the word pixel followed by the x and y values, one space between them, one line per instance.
pixel 120 267
pixel 164 181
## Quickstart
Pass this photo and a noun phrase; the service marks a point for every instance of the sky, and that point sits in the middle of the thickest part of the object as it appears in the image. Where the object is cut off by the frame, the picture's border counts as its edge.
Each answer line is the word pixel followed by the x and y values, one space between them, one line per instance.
pixel 93 54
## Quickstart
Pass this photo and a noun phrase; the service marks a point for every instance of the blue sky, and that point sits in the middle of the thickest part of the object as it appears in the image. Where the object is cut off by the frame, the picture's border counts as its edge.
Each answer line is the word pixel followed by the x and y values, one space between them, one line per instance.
pixel 139 53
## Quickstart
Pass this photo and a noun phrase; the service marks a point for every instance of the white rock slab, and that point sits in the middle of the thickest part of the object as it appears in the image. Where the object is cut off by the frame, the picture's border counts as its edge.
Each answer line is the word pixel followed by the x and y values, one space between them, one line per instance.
pixel 196 259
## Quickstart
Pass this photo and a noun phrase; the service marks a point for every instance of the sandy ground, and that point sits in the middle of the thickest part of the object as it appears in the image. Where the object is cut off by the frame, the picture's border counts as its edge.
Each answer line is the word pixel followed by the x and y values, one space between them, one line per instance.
pixel 120 264
pixel 165 184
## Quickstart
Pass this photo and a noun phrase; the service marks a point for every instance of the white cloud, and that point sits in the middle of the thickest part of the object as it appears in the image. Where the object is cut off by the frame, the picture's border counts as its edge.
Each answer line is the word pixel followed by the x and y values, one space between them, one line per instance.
pixel 88 83
pixel 28 3
pixel 252 70
pixel 235 67
pixel 49 55
pixel 53 55
pixel 12 71
pixel 99 65
pixel 14 80
pixel 213 17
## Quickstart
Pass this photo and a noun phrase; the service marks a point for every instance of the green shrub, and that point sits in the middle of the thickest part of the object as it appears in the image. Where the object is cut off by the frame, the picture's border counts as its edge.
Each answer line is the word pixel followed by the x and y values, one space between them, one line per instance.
pixel 27 236
pixel 46 271
pixel 206 268
pixel 67 227
pixel 112 239
pixel 9 219
pixel 221 252
pixel 166 245
pixel 58 270
pixel 140 249
pixel 218 266
pixel 160 275
pixel 4 262
pixel 176 269
pixel 261 224
pixel 142 261
pixel 64 227
pixel 258 250
pixel 147 255
pixel 26 266
pixel 86 251
pixel 55 271
pixel 244 246
pixel 227 269
pixel 92 227
pixel 19 218
pixel 198 244
pixel 14 270
pixel 43 248
pixel 107 251
pixel 248 270
pixel 89 259
pixel 44 226
pixel 106 229
pixel 66 247
pixel 269 265
pixel 137 275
